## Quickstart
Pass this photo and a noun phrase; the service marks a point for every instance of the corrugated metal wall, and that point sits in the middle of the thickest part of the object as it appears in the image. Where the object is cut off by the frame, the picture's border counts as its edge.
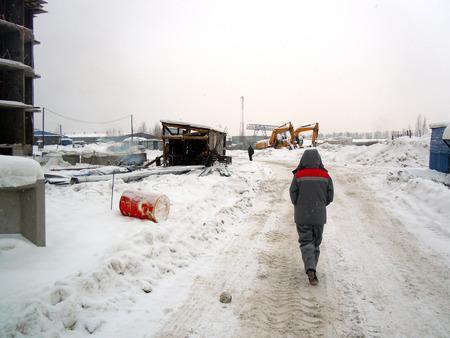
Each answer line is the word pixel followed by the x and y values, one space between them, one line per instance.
pixel 439 151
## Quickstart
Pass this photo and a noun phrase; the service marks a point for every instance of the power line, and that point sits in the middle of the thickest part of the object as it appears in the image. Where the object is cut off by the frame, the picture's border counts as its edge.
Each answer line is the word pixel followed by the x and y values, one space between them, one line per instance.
pixel 84 121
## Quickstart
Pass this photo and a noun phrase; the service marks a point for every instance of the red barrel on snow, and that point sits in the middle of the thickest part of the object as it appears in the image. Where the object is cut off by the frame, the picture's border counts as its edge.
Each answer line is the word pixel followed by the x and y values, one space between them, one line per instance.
pixel 154 207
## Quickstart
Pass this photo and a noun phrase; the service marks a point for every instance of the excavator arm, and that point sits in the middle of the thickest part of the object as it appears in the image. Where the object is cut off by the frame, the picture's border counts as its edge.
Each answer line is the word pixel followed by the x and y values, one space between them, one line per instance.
pixel 273 141
pixel 287 127
pixel 314 127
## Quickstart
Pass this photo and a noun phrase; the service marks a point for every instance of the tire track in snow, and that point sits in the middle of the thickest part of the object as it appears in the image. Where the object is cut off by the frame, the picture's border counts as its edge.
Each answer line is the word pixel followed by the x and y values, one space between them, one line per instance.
pixel 385 285
pixel 234 270
pixel 281 304
pixel 271 296
pixel 374 280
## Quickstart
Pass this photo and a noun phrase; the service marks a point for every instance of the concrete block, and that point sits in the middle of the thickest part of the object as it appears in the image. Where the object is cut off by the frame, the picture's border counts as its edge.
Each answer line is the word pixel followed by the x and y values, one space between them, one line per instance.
pixel 22 210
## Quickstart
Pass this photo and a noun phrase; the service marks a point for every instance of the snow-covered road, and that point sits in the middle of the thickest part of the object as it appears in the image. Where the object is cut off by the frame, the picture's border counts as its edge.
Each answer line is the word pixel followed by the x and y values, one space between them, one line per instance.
pixel 384 266
pixel 374 278
pixel 380 281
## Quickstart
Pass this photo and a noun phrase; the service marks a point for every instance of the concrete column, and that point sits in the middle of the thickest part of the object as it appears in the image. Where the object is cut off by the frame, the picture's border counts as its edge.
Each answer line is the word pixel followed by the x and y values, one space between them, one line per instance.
pixel 33 213
pixel 22 210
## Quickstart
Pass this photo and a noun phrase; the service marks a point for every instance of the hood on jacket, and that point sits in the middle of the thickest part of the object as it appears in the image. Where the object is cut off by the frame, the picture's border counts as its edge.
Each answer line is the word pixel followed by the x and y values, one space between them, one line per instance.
pixel 310 159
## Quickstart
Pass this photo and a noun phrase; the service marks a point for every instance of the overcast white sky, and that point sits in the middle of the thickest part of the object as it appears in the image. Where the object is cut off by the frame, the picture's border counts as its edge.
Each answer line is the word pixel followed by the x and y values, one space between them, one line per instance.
pixel 349 65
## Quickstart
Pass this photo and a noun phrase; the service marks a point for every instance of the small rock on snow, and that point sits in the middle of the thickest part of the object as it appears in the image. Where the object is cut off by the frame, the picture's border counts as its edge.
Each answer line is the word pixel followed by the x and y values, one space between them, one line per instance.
pixel 146 287
pixel 225 297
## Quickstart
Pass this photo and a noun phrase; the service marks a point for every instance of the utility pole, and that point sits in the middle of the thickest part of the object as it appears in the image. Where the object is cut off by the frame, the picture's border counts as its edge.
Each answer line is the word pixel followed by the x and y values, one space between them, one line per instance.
pixel 242 121
pixel 132 128
pixel 43 125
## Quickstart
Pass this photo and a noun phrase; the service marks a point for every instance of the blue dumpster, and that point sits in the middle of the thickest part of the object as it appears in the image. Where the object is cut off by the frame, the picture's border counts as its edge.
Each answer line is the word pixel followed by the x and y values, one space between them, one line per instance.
pixel 439 150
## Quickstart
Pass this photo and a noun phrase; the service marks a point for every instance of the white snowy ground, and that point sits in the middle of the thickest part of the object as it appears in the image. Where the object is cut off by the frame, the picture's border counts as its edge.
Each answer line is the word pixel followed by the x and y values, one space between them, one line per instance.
pixel 384 268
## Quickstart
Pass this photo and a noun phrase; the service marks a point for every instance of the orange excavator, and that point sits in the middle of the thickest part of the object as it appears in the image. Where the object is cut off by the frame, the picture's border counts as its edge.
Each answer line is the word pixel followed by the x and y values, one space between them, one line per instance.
pixel 314 127
pixel 274 140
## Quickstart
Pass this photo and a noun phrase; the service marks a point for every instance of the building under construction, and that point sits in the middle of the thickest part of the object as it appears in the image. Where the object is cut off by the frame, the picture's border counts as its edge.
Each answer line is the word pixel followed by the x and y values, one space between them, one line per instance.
pixel 17 74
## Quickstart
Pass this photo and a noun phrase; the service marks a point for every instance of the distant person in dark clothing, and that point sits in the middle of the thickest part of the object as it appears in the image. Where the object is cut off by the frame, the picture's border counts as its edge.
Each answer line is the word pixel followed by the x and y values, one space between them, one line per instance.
pixel 250 152
pixel 311 191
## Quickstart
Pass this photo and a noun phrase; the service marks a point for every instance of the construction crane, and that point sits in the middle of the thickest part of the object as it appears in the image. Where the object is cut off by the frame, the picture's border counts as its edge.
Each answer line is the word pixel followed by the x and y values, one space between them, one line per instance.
pixel 274 141
pixel 314 127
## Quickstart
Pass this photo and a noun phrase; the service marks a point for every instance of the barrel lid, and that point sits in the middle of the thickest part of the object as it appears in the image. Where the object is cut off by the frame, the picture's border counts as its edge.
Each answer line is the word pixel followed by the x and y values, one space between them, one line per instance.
pixel 162 207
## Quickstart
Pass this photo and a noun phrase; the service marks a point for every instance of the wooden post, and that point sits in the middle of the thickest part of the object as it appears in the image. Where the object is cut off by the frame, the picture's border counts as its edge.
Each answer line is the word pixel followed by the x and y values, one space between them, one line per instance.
pixel 112 190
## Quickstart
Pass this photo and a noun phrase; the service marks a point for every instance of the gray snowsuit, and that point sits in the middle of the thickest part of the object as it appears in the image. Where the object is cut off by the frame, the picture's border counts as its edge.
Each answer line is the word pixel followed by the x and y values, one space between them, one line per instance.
pixel 311 191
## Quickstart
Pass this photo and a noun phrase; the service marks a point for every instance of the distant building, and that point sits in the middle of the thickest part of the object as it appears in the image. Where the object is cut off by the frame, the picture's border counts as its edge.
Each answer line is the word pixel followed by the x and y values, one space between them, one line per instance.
pixel 17 74
pixel 103 137
pixel 88 137
pixel 49 138
pixel 139 135
pixel 145 140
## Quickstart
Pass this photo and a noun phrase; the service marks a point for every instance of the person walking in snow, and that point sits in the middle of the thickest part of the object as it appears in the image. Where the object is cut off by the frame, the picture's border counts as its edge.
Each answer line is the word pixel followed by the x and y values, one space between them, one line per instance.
pixel 250 152
pixel 311 191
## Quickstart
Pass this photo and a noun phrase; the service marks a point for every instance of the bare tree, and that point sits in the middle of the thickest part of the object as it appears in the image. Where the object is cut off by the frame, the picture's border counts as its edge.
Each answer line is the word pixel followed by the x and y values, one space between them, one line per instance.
pixel 111 132
pixel 424 126
pixel 419 125
pixel 157 131
pixel 142 128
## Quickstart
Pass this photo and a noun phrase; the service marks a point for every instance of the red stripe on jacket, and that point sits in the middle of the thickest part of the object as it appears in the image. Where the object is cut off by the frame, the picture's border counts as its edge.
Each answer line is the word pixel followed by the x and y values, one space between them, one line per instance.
pixel 311 172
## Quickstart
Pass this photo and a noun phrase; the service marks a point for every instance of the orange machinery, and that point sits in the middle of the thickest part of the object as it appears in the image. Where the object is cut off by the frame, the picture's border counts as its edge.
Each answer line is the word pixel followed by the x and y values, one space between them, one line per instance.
pixel 274 142
pixel 314 127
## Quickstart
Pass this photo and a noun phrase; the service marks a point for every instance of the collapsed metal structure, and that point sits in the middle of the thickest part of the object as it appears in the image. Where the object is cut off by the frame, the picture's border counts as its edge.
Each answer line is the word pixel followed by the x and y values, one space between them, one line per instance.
pixel 192 144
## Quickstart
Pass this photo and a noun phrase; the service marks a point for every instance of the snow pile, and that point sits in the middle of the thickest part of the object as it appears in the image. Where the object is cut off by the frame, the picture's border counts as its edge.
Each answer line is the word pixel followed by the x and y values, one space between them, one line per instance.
pixel 55 160
pixel 401 152
pixel 100 262
pixel 398 169
pixel 420 199
pixel 18 171
pixel 431 189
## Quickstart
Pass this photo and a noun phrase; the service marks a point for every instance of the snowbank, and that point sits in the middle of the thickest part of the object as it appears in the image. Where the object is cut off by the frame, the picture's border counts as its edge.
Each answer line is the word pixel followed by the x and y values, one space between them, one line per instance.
pixel 98 262
pixel 401 152
pixel 54 160
pixel 18 171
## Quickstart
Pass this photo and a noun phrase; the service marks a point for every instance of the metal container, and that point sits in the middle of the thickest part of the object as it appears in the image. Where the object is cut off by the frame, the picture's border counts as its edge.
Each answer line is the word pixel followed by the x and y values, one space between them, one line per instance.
pixel 154 207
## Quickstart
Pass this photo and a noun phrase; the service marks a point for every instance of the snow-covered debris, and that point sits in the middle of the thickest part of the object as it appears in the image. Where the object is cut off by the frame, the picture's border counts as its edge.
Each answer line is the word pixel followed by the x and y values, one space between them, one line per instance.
pixel 18 171
pixel 54 160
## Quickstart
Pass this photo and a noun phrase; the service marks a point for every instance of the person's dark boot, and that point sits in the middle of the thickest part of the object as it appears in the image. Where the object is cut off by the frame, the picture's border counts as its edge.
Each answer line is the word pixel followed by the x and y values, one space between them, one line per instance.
pixel 312 277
